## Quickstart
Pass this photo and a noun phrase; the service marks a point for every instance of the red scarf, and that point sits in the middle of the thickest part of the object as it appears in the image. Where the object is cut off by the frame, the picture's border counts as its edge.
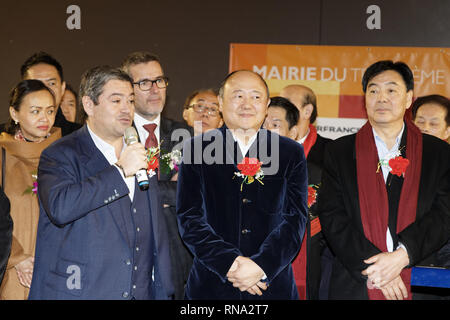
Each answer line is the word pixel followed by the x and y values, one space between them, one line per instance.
pixel 310 140
pixel 373 199
pixel 299 263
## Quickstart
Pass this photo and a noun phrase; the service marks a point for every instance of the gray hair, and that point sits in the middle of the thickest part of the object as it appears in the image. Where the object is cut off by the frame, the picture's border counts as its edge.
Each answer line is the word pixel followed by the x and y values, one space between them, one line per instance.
pixel 93 81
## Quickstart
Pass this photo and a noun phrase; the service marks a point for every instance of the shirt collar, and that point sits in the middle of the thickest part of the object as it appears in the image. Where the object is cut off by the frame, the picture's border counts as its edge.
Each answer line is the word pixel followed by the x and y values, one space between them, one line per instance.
pixel 380 143
pixel 302 140
pixel 244 148
pixel 105 148
pixel 140 121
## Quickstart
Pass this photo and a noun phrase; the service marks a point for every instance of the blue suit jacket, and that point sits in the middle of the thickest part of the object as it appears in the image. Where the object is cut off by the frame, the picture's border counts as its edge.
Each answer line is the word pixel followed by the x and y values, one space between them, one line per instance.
pixel 82 230
pixel 219 222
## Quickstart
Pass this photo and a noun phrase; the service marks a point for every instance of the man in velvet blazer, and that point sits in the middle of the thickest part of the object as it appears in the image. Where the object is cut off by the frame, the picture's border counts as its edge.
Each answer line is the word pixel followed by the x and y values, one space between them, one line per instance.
pixel 100 236
pixel 364 265
pixel 243 233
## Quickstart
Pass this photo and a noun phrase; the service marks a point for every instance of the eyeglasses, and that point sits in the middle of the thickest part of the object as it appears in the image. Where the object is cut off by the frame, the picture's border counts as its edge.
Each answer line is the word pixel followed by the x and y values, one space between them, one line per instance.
pixel 147 84
pixel 200 108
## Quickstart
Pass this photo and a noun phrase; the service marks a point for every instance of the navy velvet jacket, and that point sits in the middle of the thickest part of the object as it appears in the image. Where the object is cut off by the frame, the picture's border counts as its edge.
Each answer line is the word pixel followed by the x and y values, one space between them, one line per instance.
pixel 219 222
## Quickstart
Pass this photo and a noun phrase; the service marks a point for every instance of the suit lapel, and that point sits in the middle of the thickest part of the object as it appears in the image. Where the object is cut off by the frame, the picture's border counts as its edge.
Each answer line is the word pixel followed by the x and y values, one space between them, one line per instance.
pixel 93 162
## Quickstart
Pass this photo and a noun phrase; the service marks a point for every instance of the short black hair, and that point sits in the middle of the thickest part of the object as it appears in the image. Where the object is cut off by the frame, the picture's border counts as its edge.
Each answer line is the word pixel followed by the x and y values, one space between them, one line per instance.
pixel 433 98
pixel 385 65
pixel 41 57
pixel 292 113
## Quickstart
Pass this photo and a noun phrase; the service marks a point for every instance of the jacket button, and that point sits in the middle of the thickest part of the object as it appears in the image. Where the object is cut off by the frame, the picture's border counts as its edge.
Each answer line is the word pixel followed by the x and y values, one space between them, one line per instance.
pixel 125 294
pixel 128 262
pixel 245 231
pixel 245 200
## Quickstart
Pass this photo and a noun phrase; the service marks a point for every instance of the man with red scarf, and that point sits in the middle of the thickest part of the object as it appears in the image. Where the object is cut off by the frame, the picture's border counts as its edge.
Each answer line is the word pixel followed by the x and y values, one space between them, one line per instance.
pixel 312 264
pixel 385 194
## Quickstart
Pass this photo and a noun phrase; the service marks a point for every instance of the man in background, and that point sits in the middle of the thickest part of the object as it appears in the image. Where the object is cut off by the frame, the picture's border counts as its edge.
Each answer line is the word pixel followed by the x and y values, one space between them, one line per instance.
pixel 282 117
pixel 42 66
pixel 432 115
pixel 312 266
pixel 150 89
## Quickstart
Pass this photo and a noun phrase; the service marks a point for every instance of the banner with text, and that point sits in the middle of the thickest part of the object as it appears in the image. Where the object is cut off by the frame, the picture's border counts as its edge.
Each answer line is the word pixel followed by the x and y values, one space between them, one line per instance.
pixel 334 73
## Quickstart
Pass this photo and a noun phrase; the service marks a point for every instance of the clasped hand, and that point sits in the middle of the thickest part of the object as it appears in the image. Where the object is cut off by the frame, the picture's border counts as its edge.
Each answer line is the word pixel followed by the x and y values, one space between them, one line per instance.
pixel 384 273
pixel 246 275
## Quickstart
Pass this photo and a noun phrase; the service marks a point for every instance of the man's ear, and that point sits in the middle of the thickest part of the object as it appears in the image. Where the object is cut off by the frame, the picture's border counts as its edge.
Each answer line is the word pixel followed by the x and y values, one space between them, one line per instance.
pixel 220 99
pixel 293 133
pixel 88 105
pixel 185 115
pixel 447 133
pixel 63 88
pixel 307 111
pixel 409 98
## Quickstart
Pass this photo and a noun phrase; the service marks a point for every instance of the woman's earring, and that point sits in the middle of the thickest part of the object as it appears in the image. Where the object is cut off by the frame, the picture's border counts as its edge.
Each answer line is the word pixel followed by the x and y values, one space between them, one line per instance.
pixel 17 122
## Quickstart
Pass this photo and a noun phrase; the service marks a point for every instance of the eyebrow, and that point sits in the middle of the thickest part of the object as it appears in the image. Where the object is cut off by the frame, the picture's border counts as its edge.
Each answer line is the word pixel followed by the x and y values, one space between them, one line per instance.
pixel 148 79
pixel 376 84
pixel 39 107
pixel 120 95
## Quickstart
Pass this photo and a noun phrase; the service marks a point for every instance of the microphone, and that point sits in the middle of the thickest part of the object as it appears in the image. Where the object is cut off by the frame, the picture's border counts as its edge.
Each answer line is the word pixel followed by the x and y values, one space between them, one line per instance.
pixel 131 137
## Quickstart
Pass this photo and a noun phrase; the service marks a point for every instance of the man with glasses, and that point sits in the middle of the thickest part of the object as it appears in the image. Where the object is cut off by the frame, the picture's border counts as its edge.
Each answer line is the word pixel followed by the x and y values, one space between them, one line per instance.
pixel 201 111
pixel 150 88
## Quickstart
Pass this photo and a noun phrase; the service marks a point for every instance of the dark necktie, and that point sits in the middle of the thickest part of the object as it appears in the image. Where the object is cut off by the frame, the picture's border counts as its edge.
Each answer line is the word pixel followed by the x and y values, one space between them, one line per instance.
pixel 151 140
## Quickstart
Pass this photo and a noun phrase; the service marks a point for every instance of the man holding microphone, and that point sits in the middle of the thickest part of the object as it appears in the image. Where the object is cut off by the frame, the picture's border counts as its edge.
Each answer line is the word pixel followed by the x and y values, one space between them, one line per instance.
pixel 100 236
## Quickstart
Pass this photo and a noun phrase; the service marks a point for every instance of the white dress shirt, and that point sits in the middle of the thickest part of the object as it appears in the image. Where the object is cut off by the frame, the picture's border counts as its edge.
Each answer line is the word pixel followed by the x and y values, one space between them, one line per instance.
pixel 143 134
pixel 386 154
pixel 109 153
pixel 244 147
pixel 302 140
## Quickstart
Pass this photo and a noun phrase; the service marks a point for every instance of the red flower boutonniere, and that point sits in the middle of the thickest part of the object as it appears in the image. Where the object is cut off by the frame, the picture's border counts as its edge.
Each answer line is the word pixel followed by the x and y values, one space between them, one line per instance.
pixel 152 160
pixel 398 165
pixel 250 170
pixel 312 195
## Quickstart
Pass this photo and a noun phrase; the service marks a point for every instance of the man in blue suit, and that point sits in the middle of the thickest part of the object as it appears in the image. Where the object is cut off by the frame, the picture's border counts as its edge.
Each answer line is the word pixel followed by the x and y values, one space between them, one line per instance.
pixel 99 236
pixel 243 223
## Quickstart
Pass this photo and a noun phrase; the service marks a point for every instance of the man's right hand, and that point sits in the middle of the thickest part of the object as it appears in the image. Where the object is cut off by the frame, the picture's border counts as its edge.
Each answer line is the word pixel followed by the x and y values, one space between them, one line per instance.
pixel 132 159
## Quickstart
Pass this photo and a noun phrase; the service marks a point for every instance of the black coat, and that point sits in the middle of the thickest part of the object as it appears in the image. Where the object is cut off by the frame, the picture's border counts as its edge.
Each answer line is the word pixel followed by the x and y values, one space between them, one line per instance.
pixel 6 227
pixel 340 216
pixel 181 257
pixel 315 272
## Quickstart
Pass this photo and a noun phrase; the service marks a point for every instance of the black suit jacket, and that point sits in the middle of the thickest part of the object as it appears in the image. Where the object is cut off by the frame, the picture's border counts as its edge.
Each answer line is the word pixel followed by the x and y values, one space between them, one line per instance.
pixel 67 127
pixel 181 258
pixel 6 227
pixel 340 217
pixel 316 244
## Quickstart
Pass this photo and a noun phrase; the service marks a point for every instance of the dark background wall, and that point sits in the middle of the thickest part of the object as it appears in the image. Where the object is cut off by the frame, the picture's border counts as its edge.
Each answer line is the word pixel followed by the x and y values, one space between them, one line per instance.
pixel 192 37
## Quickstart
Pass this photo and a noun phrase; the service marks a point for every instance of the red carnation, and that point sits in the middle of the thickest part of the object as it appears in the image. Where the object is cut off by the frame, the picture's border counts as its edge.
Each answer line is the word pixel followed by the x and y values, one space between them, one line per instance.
pixel 398 165
pixel 249 166
pixel 152 164
pixel 312 195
